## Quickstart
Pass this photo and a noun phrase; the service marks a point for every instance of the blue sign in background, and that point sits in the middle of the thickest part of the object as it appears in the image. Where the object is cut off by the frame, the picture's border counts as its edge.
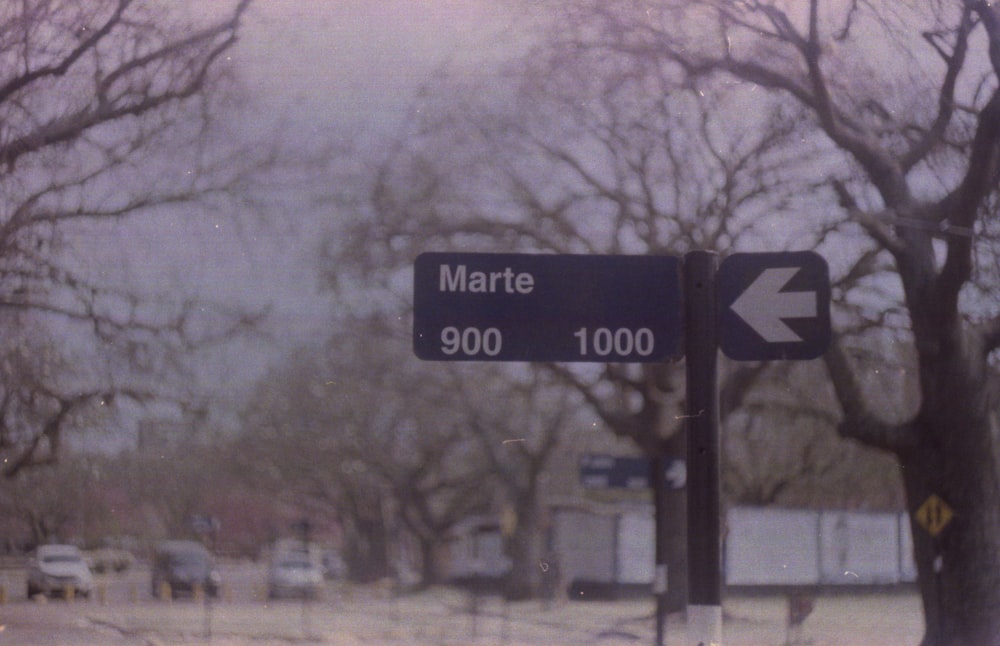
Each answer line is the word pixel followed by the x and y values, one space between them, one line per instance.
pixel 613 472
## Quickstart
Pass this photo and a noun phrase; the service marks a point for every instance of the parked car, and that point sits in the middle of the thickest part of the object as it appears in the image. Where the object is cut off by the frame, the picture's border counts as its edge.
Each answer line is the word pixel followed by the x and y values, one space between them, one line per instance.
pixel 333 565
pixel 295 573
pixel 59 570
pixel 186 566
pixel 109 560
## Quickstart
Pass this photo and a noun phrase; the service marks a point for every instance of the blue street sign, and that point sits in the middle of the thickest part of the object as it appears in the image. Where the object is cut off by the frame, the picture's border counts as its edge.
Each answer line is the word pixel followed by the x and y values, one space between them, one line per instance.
pixel 536 307
pixel 610 472
pixel 774 306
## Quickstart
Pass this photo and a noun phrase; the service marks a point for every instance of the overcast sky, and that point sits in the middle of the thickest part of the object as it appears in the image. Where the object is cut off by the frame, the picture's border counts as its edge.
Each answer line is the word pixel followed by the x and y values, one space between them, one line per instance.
pixel 321 66
pixel 316 66
pixel 360 60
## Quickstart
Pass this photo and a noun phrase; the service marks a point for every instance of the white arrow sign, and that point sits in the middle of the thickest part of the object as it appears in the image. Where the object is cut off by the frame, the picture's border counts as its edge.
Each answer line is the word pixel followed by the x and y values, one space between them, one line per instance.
pixel 677 474
pixel 763 305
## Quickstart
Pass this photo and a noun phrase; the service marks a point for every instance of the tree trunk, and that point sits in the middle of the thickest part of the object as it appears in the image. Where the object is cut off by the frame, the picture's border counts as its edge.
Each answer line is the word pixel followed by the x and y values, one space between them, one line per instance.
pixel 526 548
pixel 433 558
pixel 956 460
pixel 366 550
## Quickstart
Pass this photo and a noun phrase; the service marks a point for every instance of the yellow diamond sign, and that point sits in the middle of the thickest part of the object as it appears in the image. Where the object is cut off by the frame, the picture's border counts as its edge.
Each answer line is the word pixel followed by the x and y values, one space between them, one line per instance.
pixel 934 515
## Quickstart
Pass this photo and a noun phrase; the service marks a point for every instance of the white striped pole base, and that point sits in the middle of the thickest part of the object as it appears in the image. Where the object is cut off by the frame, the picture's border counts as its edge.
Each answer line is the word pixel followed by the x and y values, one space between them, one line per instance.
pixel 704 625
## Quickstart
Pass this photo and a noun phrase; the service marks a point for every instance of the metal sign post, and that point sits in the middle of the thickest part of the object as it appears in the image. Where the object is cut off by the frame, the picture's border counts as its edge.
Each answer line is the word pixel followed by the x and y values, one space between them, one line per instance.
pixel 702 426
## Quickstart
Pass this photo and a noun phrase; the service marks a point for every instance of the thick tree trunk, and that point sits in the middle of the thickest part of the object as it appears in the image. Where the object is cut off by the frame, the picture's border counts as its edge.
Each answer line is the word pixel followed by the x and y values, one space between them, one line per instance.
pixel 366 550
pixel 949 454
pixel 433 559
pixel 956 460
pixel 526 548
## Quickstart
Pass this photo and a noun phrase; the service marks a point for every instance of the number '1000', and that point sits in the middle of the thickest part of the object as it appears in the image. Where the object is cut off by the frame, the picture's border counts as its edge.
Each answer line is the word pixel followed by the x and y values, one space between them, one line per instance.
pixel 620 343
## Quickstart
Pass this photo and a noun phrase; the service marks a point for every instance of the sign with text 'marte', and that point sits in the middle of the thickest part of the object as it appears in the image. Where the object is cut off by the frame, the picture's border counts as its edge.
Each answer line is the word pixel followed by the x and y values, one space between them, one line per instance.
pixel 528 307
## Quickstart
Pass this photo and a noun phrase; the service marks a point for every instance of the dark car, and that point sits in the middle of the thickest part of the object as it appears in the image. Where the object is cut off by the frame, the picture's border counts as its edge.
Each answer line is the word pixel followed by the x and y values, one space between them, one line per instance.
pixel 183 567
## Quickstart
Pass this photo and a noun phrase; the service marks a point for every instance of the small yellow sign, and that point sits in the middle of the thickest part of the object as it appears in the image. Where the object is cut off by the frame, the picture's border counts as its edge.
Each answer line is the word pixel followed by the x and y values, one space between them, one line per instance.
pixel 508 521
pixel 934 515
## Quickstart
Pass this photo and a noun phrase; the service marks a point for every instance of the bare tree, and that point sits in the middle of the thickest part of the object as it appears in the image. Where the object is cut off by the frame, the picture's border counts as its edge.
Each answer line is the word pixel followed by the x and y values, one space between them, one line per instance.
pixel 108 110
pixel 361 429
pixel 579 151
pixel 782 448
pixel 56 503
pixel 919 142
pixel 519 422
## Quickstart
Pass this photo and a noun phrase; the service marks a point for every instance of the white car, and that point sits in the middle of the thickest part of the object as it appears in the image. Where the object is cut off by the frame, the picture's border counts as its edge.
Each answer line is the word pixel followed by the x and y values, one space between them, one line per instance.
pixel 295 574
pixel 59 570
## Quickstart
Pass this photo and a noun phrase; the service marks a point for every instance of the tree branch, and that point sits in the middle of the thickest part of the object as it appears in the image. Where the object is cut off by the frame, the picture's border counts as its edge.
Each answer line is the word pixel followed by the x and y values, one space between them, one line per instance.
pixel 812 92
pixel 620 423
pixel 102 109
pixel 991 335
pixel 962 206
pixel 954 62
pixel 52 428
pixel 11 87
pixel 989 15
pixel 738 384
pixel 859 422
pixel 871 223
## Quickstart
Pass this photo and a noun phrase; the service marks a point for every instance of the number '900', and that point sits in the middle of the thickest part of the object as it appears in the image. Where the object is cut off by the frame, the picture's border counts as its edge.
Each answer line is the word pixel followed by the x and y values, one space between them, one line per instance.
pixel 471 341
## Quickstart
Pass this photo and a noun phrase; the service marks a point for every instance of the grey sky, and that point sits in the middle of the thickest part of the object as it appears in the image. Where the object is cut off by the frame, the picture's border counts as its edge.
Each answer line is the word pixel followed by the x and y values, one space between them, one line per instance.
pixel 359 60
pixel 315 66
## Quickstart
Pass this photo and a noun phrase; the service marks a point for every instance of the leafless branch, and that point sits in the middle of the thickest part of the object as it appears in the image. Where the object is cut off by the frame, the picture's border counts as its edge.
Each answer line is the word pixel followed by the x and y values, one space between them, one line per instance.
pixel 859 422
pixel 872 223
pixel 954 64
pixel 32 75
pixel 991 335
pixel 962 206
pixel 204 47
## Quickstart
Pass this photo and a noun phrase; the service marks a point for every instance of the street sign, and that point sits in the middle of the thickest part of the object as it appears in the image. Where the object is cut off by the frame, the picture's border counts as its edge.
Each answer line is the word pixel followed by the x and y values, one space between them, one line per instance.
pixel 755 307
pixel 609 472
pixel 205 524
pixel 536 307
pixel 934 515
pixel 774 306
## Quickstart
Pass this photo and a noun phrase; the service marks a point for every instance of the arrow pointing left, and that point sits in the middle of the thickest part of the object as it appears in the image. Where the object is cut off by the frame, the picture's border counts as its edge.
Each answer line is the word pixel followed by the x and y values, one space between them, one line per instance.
pixel 763 305
pixel 676 474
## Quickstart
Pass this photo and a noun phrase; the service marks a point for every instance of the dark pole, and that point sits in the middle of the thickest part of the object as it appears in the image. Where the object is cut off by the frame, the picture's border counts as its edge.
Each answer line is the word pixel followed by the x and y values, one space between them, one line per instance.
pixel 702 416
pixel 660 587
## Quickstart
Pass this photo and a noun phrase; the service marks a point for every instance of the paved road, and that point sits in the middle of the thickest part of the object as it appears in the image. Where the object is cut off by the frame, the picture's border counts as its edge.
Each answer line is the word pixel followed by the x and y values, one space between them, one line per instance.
pixel 57 624
pixel 352 616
